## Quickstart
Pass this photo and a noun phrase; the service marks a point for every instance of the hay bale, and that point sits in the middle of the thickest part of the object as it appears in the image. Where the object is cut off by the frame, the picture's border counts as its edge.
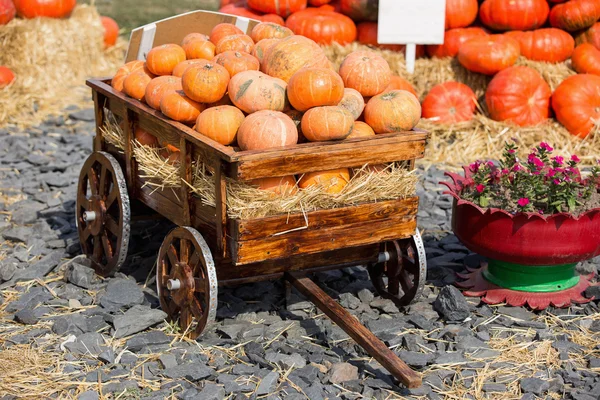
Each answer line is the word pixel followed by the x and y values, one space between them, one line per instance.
pixel 51 59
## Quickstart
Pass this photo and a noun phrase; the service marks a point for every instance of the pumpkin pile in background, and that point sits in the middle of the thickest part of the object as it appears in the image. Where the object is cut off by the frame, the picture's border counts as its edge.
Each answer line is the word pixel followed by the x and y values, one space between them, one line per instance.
pixel 268 90
pixel 487 37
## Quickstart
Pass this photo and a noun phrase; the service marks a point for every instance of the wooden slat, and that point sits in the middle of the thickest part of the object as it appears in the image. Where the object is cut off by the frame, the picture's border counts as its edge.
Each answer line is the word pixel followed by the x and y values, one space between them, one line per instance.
pixel 99 103
pixel 302 158
pixel 242 230
pixel 159 203
pixel 357 331
pixel 314 241
pixel 221 210
pixel 185 172
pixel 130 162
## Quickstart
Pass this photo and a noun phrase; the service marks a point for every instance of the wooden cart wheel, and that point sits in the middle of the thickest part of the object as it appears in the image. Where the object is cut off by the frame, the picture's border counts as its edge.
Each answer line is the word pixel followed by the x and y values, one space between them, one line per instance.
pixel 404 272
pixel 186 280
pixel 103 213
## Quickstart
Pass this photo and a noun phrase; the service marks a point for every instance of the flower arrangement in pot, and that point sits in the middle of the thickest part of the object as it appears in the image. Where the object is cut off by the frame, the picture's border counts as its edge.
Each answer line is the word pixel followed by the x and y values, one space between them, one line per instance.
pixel 533 220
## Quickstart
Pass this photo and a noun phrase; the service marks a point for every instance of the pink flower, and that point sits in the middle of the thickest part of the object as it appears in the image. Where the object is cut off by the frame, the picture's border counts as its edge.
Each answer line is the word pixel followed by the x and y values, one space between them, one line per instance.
pixel 556 181
pixel 504 171
pixel 480 188
pixel 551 173
pixel 558 160
pixel 532 159
pixel 516 168
pixel 546 147
pixel 475 166
pixel 513 151
pixel 523 201
pixel 574 158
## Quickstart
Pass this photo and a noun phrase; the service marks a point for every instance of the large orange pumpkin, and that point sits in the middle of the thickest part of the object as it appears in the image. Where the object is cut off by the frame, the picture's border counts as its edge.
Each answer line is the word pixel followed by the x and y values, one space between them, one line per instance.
pixel 223 30
pixel 548 45
pixel 359 130
pixel 236 62
pixel 519 95
pixel 193 36
pixel 242 43
pixel 332 181
pixel 135 83
pixel 267 129
pixel 318 3
pixel 111 31
pixel 280 7
pixel 7 11
pixel 399 83
pixel 489 54
pixel 144 138
pixel 327 123
pixel 516 15
pixel 290 54
pixel 184 65
pixel 220 123
pixel 272 18
pixel 280 186
pixel 262 48
pixel 160 86
pixel 453 39
pixel 123 72
pixel 365 71
pixel 269 30
pixel 393 111
pixel 360 10
pixel 460 13
pixel 449 103
pixel 199 49
pixel 575 14
pixel 576 103
pixel 241 10
pixel 44 8
pixel 590 35
pixel 161 60
pixel 353 101
pixel 253 91
pixel 586 59
pixel 323 26
pixel 6 76
pixel 176 105
pixel 205 83
pixel 366 33
pixel 314 87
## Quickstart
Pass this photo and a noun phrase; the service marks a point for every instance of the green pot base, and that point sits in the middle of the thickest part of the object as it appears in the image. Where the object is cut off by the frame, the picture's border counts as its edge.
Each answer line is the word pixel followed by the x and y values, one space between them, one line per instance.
pixel 531 278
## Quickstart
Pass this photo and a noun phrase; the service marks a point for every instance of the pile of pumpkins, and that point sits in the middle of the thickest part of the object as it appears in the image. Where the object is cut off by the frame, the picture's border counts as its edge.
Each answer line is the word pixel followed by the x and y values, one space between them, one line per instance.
pixel 268 90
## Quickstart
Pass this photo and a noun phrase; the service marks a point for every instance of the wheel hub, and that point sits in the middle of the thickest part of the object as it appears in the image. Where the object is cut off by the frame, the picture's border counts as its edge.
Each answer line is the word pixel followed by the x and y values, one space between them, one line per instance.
pixel 181 284
pixel 96 214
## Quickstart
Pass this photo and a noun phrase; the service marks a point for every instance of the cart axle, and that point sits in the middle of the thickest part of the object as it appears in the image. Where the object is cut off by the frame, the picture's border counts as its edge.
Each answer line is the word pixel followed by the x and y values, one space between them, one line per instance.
pixel 384 256
pixel 173 284
pixel 89 216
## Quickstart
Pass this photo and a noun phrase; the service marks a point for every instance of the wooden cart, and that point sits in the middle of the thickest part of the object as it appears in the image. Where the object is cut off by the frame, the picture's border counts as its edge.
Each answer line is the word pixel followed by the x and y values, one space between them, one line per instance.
pixel 209 249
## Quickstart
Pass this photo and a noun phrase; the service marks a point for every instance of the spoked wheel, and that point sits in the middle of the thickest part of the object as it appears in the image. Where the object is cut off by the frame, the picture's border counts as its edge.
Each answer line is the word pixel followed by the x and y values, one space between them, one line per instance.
pixel 402 277
pixel 103 213
pixel 186 280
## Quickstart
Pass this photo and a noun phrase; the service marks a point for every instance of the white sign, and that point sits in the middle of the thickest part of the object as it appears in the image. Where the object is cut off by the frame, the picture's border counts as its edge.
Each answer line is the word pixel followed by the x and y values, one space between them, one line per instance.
pixel 411 22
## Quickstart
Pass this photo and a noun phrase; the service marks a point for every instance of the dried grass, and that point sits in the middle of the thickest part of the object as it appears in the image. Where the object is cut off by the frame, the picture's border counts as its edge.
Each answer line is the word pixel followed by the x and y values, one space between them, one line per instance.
pixel 51 59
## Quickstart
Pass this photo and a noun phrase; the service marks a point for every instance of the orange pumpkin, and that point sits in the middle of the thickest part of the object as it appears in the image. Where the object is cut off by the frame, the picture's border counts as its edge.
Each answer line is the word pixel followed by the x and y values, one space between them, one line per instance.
pixel 123 72
pixel 193 36
pixel 367 34
pixel 280 186
pixel 397 110
pixel 318 3
pixel 267 129
pixel 548 45
pixel 240 10
pixel 449 103
pixel 135 83
pixel 490 54
pixel 144 138
pixel 360 10
pixel 273 18
pixel 365 71
pixel 223 30
pixel 253 91
pixel 6 76
pixel 262 48
pixel 161 60
pixel 590 35
pixel 198 48
pixel 292 53
pixel 269 30
pixel 7 11
pixel 360 130
pixel 280 7
pixel 243 43
pixel 586 59
pixel 453 39
pixel 236 62
pixel 327 123
pixel 160 86
pixel 314 87
pixel 515 15
pixel 575 15
pixel 225 101
pixel 184 65
pixel 205 83
pixel 332 181
pixel 519 95
pixel 460 13
pixel 44 8
pixel 220 123
pixel 111 31
pixel 176 105
pixel 323 26
pixel 353 102
pixel 576 103
pixel 399 83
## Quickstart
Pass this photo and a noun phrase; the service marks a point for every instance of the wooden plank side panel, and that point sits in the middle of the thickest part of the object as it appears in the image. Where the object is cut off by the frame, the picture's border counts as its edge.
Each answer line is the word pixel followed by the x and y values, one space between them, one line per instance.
pixel 242 230
pixel 314 241
pixel 159 203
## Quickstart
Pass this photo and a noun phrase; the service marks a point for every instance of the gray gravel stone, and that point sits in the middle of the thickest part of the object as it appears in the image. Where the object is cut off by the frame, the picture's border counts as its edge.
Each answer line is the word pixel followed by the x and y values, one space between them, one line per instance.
pixel 121 293
pixel 81 276
pixel 268 384
pixel 451 304
pixel 286 361
pixel 26 316
pixel 137 342
pixel 366 296
pixel 136 319
pixel 88 395
pixel 342 372
pixel 191 371
pixel 415 359
pixel 91 343
pixel 534 385
pixel 211 392
pixel 7 270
